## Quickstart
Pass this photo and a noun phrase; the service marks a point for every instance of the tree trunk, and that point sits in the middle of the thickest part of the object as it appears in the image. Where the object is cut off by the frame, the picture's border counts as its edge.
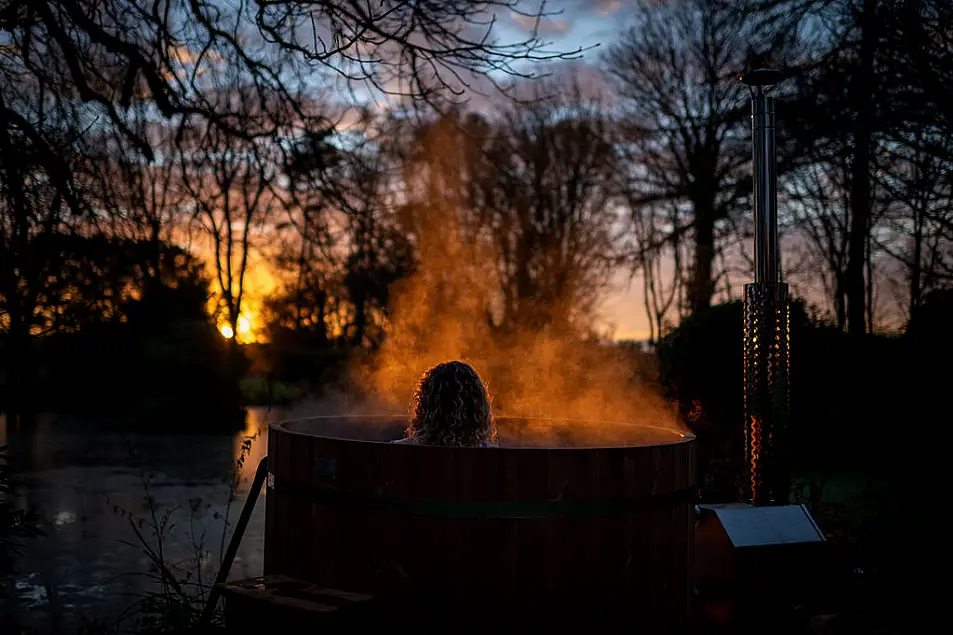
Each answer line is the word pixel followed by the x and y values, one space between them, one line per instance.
pixel 647 297
pixel 860 189
pixel 916 266
pixel 870 284
pixel 840 304
pixel 702 287
pixel 155 250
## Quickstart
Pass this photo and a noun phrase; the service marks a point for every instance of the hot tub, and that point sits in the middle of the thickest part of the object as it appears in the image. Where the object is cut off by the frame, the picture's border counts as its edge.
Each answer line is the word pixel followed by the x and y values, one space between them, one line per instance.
pixel 564 514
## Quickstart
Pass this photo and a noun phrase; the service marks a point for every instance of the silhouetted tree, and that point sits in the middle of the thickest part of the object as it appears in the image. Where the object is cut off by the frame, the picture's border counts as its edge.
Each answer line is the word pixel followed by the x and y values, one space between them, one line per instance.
pixel 341 246
pixel 72 71
pixel 309 288
pixel 33 212
pixel 522 201
pixel 551 215
pixel 654 250
pixel 139 200
pixel 816 204
pixel 111 54
pixel 230 185
pixel 862 95
pixel 676 69
pixel 866 96
pixel 376 250
pixel 918 193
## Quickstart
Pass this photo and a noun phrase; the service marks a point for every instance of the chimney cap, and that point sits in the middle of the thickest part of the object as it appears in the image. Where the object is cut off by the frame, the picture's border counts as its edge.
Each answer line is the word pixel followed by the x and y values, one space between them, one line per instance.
pixel 762 77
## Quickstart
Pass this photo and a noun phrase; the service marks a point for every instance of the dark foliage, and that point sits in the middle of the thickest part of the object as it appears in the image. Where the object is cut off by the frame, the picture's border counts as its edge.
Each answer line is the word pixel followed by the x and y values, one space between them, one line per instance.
pixel 701 364
pixel 118 340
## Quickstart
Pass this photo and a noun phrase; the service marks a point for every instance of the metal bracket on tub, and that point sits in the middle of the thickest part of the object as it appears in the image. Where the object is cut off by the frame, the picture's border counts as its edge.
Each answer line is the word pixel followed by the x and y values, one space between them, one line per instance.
pixel 325 468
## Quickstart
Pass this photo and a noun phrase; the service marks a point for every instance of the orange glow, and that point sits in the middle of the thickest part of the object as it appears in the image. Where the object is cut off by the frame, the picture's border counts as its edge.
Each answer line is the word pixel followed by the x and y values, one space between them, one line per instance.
pixel 249 447
pixel 244 326
pixel 259 282
pixel 439 314
pixel 246 329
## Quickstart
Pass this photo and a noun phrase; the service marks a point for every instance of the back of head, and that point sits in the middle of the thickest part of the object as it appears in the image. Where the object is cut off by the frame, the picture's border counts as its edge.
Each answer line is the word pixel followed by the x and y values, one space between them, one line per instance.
pixel 451 407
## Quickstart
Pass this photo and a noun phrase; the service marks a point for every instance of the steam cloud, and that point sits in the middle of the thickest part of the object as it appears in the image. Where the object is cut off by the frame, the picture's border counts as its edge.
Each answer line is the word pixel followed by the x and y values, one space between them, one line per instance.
pixel 440 314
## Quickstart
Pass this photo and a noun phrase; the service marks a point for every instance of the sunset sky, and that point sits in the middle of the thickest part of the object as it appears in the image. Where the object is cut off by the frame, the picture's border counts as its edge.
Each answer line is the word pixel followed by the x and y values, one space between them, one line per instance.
pixel 571 25
pixel 578 24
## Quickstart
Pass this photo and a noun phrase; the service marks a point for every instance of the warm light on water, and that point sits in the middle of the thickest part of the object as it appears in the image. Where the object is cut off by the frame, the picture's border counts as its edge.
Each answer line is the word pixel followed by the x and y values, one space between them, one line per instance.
pixel 251 444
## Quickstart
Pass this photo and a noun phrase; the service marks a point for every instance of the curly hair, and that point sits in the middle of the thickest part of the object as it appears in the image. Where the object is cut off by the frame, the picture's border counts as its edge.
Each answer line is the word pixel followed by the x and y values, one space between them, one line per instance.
pixel 451 407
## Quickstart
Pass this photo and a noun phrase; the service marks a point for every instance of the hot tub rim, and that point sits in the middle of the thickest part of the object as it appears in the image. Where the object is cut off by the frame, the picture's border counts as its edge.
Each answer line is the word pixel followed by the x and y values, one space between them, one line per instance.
pixel 679 438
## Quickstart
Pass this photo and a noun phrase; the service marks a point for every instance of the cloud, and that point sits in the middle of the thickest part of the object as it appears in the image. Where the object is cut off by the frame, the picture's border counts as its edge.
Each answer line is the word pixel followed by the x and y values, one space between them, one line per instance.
pixel 546 24
pixel 607 7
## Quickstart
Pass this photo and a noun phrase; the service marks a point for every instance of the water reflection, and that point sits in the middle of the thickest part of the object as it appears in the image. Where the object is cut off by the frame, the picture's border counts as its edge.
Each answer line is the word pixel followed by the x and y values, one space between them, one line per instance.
pixel 251 444
pixel 95 486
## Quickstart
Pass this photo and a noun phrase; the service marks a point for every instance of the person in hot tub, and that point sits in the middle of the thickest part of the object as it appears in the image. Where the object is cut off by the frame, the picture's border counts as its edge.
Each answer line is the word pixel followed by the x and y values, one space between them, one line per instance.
pixel 451 407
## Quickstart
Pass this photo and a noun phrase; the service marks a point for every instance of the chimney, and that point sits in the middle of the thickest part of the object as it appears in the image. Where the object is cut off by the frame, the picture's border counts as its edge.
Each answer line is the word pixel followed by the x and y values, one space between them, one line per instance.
pixel 766 330
pixel 755 558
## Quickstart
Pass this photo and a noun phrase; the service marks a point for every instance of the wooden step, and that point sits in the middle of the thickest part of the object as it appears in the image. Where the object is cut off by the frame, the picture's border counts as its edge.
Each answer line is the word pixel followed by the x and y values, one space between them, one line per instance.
pixel 259 605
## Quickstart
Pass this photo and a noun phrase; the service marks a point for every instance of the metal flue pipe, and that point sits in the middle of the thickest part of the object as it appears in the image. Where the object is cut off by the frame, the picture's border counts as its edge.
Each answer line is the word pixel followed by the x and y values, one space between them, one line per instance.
pixel 766 330
pixel 765 189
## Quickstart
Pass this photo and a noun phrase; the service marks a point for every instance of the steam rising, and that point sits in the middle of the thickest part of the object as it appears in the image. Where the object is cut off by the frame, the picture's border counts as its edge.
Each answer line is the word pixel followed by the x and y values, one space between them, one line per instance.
pixel 440 313
pixel 478 255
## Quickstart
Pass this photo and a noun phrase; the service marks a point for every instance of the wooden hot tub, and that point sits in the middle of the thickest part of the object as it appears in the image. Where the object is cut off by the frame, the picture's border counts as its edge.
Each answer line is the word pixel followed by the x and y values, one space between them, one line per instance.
pixel 602 527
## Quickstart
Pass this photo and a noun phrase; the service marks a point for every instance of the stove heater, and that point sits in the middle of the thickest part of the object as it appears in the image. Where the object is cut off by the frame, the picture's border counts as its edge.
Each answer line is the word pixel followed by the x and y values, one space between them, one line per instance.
pixel 753 556
pixel 766 330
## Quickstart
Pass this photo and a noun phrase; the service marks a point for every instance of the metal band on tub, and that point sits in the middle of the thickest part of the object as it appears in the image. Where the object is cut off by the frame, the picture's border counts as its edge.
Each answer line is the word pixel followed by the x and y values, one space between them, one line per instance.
pixel 484 509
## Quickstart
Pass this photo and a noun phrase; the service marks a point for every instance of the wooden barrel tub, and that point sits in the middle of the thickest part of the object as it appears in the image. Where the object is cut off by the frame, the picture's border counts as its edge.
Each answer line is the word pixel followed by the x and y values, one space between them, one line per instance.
pixel 601 531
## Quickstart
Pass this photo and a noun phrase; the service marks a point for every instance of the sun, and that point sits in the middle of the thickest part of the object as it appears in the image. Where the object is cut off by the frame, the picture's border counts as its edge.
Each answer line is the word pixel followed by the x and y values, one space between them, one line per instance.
pixel 242 330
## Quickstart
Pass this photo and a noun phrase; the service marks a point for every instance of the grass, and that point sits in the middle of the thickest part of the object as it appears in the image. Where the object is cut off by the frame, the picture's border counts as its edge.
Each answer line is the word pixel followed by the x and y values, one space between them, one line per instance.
pixel 181 588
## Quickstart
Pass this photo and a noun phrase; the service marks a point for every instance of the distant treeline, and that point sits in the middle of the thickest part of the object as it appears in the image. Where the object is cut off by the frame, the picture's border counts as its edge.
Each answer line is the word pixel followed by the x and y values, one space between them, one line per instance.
pixel 152 153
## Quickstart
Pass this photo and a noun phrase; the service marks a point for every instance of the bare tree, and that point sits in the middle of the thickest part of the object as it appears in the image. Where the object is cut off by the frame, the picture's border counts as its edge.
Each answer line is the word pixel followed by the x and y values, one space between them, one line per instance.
pixel 376 251
pixel 171 55
pixel 343 226
pixel 816 204
pixel 676 70
pixel 551 211
pixel 918 218
pixel 521 202
pixel 862 87
pixel 139 200
pixel 230 186
pixel 303 243
pixel 432 52
pixel 654 247
pixel 35 200
pixel 876 79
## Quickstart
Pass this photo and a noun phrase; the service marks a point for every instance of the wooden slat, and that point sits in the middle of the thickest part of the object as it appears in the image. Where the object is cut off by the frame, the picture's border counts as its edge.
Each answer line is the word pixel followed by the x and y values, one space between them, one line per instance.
pixel 645 554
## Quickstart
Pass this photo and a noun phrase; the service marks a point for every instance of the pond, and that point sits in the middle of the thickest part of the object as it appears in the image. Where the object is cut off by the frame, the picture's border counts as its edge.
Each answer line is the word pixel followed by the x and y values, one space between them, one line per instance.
pixel 94 487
